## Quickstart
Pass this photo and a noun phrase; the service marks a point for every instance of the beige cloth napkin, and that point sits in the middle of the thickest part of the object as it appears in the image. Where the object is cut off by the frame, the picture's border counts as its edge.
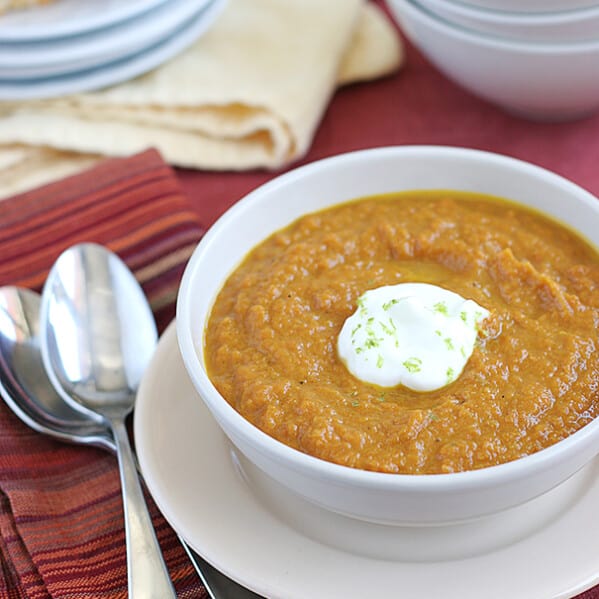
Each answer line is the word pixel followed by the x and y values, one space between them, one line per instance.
pixel 248 94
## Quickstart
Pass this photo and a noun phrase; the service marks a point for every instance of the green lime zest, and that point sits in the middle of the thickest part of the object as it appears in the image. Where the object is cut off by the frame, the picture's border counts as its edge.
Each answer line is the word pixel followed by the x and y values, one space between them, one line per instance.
pixel 413 364
pixel 441 308
pixel 387 305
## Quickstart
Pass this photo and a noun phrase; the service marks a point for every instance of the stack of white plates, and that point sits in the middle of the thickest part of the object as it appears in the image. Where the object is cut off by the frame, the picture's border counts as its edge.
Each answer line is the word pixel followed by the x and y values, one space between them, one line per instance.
pixel 72 46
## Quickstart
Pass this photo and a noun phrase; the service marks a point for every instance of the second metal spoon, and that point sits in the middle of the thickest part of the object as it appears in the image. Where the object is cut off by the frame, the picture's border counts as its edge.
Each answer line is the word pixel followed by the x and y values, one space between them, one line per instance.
pixel 97 335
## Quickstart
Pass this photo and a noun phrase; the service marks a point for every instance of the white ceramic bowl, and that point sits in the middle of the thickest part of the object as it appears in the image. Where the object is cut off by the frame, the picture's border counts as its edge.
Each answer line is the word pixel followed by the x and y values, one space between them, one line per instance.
pixel 531 6
pixel 540 81
pixel 559 27
pixel 372 496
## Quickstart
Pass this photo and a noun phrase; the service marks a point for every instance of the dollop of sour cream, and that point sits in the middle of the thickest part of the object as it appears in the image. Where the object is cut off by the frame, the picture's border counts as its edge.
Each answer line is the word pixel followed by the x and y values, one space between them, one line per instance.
pixel 412 334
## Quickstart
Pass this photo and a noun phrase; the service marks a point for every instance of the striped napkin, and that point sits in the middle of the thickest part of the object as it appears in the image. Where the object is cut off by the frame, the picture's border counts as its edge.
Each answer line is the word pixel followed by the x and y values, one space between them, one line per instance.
pixel 61 519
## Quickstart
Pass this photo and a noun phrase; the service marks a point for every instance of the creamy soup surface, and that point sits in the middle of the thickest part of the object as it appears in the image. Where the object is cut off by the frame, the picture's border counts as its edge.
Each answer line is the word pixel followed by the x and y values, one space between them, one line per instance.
pixel 532 379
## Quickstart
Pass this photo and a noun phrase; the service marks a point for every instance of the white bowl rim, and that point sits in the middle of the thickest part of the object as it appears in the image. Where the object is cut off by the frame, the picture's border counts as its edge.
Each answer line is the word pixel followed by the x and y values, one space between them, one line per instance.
pixel 532 8
pixel 494 42
pixel 497 17
pixel 344 475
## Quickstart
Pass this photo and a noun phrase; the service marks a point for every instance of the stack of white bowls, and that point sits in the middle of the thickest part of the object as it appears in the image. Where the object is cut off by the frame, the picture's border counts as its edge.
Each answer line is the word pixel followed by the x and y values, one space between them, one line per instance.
pixel 535 58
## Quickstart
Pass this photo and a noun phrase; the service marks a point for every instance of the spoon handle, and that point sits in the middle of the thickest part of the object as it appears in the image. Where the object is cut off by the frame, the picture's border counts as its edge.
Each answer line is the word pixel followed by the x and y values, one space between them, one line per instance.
pixel 147 573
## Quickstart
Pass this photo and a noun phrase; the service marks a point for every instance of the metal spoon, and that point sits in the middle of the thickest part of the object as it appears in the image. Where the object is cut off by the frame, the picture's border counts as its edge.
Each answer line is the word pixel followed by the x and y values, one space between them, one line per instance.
pixel 26 389
pixel 24 385
pixel 97 335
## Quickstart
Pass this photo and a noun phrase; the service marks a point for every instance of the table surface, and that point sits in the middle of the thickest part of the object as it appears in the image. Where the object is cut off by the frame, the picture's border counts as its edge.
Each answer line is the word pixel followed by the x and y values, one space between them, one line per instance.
pixel 419 105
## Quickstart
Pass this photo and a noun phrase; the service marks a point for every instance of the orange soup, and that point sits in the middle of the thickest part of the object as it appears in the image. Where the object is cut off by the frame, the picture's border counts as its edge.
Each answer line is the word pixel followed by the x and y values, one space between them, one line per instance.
pixel 532 379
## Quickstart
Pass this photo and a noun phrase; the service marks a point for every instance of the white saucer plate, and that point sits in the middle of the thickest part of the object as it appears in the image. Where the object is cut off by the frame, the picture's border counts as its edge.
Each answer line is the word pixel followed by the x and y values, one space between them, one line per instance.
pixel 69 17
pixel 278 545
pixel 68 55
pixel 118 71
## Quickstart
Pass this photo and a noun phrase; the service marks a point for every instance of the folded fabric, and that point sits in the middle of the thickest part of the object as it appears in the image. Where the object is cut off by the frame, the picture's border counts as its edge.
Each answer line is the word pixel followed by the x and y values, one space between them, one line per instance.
pixel 249 93
pixel 61 518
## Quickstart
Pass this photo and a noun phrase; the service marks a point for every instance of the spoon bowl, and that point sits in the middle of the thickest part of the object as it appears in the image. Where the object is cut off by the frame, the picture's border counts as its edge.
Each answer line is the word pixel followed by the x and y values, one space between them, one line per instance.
pixel 24 384
pixel 97 331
